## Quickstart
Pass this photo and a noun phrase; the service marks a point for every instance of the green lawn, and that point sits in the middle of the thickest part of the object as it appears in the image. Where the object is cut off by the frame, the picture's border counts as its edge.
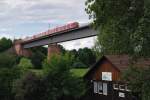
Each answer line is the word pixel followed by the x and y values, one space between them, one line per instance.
pixel 79 72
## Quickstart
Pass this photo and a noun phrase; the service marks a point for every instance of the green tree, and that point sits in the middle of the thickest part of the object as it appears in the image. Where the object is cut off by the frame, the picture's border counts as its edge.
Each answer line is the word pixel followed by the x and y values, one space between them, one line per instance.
pixel 5 44
pixel 38 56
pixel 7 77
pixel 7 60
pixel 8 73
pixel 123 25
pixel 25 64
pixel 86 56
pixel 139 81
pixel 61 84
pixel 29 87
pixel 62 49
pixel 37 59
pixel 74 52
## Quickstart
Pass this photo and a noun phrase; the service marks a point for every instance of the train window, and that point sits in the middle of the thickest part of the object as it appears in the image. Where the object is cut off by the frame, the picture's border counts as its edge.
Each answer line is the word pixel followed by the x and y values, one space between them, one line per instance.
pixel 115 86
pixel 121 87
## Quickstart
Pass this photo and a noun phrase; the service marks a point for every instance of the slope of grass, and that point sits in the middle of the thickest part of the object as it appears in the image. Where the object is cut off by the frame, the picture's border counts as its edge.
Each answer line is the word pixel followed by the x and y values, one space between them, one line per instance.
pixel 79 72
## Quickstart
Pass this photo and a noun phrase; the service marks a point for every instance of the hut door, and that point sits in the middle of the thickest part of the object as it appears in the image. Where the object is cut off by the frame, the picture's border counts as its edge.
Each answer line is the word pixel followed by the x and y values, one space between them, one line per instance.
pixel 105 89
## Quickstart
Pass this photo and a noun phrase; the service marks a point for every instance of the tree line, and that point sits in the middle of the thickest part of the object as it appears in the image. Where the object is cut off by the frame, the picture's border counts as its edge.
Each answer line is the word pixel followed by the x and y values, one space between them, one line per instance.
pixel 19 79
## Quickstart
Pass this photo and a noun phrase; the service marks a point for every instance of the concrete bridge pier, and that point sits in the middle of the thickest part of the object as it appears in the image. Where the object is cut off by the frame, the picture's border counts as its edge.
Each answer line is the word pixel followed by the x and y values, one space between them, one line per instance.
pixel 53 49
pixel 20 51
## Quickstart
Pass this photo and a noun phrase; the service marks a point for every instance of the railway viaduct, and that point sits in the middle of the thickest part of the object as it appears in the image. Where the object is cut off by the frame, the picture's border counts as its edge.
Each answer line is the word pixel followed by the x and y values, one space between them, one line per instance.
pixel 51 37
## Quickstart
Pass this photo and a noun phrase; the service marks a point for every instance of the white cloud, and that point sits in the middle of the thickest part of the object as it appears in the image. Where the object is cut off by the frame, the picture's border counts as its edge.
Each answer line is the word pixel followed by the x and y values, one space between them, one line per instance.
pixel 14 12
pixel 6 35
pixel 20 18
pixel 81 43
pixel 38 10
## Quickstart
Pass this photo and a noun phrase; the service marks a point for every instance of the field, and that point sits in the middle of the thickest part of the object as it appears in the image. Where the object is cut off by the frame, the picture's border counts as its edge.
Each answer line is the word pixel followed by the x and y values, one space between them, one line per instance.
pixel 79 72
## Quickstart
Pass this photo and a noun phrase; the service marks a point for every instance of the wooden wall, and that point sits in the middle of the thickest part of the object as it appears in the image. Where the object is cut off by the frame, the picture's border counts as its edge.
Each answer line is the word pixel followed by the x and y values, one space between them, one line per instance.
pixel 106 66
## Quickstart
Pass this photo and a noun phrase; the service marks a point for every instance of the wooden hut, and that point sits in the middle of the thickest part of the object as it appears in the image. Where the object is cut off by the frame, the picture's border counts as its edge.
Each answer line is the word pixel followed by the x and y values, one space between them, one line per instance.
pixel 105 77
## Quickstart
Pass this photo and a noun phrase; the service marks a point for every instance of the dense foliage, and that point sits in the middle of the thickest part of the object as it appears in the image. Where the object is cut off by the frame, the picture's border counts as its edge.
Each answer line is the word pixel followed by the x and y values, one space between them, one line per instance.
pixel 29 87
pixel 124 28
pixel 61 84
pixel 8 73
pixel 20 81
pixel 83 57
pixel 5 44
pixel 7 60
pixel 123 25
pixel 139 81
pixel 25 65
pixel 38 56
pixel 86 56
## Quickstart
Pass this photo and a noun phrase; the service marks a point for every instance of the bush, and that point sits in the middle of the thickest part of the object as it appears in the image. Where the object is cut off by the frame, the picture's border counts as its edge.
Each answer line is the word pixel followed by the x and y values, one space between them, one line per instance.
pixel 8 73
pixel 5 44
pixel 29 87
pixel 60 82
pixel 25 64
pixel 7 77
pixel 7 60
pixel 37 59
pixel 38 56
pixel 139 81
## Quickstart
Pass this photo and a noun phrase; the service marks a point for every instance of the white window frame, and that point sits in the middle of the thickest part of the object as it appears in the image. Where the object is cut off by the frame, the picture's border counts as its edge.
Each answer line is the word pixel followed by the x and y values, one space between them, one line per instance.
pixel 115 86
pixel 122 95
pixel 95 85
pixel 106 76
pixel 127 89
pixel 100 88
pixel 105 89
pixel 120 87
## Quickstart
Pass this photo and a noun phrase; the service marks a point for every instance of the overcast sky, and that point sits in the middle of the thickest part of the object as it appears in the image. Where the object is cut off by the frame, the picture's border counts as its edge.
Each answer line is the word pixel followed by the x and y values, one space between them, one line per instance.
pixel 21 18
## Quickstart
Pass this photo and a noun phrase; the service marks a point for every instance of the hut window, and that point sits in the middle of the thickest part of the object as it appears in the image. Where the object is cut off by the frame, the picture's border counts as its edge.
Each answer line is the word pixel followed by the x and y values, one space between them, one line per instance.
pixel 106 76
pixel 115 86
pixel 122 95
pixel 121 87
pixel 95 87
pixel 100 88
pixel 105 89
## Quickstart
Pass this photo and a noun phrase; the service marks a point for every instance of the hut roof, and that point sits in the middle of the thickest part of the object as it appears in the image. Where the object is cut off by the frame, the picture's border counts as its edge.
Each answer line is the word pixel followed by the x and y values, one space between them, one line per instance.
pixel 121 62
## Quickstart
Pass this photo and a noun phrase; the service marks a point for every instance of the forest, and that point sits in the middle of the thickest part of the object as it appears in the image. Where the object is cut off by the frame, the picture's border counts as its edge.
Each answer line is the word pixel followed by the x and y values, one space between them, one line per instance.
pixel 37 78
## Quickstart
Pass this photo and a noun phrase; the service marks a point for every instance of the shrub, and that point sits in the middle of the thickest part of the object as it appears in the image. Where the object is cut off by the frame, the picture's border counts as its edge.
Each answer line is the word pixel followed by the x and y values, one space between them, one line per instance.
pixel 59 80
pixel 7 77
pixel 29 87
pixel 139 81
pixel 7 60
pixel 25 64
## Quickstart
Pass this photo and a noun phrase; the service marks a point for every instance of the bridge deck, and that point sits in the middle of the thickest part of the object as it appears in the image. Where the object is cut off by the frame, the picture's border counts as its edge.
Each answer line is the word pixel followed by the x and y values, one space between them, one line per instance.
pixel 78 33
